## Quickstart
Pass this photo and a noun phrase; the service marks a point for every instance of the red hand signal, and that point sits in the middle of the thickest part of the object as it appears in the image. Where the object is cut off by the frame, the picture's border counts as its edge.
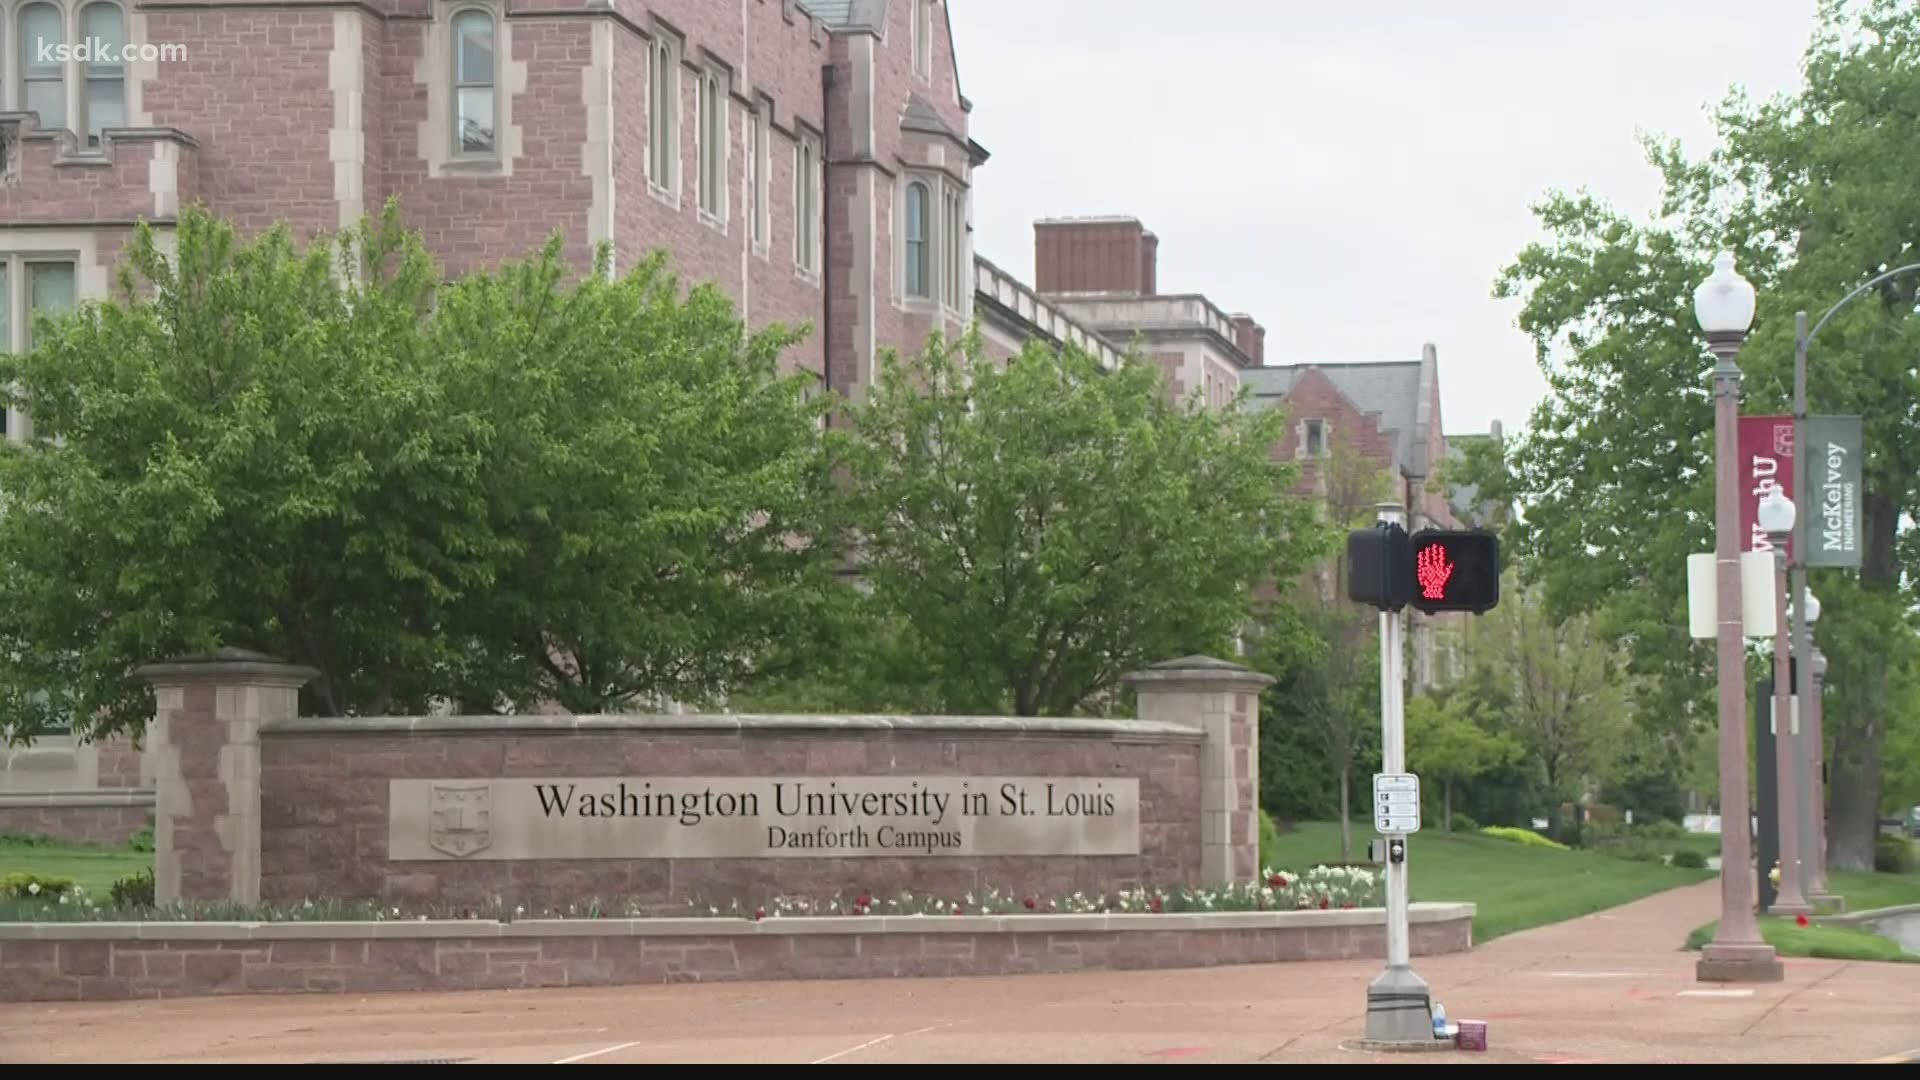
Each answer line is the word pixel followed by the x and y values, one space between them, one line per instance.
pixel 1433 570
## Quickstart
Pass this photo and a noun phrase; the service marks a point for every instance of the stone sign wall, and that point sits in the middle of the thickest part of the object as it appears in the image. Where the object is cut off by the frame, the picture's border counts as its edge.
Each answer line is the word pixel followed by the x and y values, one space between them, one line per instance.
pixel 255 802
pixel 669 809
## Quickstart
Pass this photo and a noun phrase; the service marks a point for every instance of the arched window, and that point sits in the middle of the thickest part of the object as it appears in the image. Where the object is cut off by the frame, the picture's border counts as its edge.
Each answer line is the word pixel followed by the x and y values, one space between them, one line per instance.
pixel 103 24
pixel 917 252
pixel 474 114
pixel 46 88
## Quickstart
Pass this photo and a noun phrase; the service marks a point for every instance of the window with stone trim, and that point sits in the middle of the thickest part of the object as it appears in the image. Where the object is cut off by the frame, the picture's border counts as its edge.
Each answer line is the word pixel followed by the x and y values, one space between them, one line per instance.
pixel 1316 438
pixel 43 82
pixel 932 251
pixel 86 94
pixel 712 115
pixel 806 203
pixel 923 38
pixel 954 207
pixel 759 174
pixel 474 68
pixel 919 269
pixel 104 102
pixel 30 284
pixel 663 114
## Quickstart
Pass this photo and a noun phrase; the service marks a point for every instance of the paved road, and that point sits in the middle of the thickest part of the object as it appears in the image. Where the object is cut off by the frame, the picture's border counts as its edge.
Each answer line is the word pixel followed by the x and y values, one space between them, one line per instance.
pixel 1610 988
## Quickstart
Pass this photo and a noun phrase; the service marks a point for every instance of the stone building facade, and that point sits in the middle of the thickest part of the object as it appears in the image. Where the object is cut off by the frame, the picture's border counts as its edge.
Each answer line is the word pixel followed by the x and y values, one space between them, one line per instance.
pixel 810 157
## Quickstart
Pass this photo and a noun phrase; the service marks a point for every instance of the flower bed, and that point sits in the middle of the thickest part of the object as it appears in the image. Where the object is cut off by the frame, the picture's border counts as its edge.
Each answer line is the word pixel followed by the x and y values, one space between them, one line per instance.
pixel 1320 888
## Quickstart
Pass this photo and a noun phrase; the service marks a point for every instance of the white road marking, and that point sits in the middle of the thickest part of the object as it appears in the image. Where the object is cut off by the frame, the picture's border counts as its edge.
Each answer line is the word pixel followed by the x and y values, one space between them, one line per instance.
pixel 596 1053
pixel 1716 993
pixel 850 1050
pixel 874 1042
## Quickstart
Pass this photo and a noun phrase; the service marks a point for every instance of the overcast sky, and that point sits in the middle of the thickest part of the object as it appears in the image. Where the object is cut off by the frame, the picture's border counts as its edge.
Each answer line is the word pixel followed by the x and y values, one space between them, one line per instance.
pixel 1353 175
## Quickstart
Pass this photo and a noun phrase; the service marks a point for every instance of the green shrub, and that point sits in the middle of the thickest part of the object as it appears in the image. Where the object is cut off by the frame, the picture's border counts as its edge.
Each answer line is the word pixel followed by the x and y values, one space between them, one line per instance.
pixel 142 840
pixel 1627 842
pixel 1894 855
pixel 26 885
pixel 1521 836
pixel 134 890
pixel 1689 859
pixel 1463 823
pixel 14 839
pixel 1269 838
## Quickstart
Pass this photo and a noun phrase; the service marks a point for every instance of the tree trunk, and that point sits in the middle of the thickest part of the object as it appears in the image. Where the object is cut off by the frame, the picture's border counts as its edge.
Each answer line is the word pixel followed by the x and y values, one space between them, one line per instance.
pixel 1855 815
pixel 1861 731
pixel 1446 822
pixel 1346 819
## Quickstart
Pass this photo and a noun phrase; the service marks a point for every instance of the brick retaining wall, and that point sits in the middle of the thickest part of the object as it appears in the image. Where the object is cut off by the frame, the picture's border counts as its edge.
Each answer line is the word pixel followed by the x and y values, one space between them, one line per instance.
pixel 324 801
pixel 106 961
pixel 82 817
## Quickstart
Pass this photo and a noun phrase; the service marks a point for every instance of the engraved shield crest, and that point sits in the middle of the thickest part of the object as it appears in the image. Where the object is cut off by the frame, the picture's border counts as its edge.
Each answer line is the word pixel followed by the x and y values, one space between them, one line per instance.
pixel 461 818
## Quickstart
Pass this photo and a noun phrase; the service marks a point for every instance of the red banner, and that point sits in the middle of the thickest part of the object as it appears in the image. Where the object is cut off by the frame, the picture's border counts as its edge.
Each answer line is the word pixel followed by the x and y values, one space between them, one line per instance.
pixel 1766 459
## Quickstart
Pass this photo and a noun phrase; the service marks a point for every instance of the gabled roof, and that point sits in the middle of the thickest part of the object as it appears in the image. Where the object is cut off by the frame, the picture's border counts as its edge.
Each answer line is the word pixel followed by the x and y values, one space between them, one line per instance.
pixel 1391 391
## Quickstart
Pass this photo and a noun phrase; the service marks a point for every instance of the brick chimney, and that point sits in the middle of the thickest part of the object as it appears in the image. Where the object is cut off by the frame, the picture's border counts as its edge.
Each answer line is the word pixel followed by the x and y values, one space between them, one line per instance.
pixel 1094 255
pixel 1251 337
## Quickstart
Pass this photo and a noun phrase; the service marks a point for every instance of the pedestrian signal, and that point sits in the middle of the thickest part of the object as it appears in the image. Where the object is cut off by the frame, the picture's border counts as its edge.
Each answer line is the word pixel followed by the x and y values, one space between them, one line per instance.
pixel 1455 570
pixel 1435 570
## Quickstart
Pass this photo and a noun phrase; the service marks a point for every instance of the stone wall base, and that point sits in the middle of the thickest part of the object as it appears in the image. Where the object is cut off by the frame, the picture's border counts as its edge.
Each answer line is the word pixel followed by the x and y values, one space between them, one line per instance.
pixel 108 817
pixel 109 961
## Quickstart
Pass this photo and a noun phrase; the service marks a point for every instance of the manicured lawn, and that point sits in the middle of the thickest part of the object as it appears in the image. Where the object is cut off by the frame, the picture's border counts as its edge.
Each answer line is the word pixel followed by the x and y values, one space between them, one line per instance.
pixel 1825 942
pixel 1838 941
pixel 94 869
pixel 1515 886
pixel 1865 892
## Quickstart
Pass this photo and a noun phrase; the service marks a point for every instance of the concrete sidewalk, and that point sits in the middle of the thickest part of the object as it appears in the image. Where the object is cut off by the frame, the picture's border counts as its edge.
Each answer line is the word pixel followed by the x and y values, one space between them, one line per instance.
pixel 1610 988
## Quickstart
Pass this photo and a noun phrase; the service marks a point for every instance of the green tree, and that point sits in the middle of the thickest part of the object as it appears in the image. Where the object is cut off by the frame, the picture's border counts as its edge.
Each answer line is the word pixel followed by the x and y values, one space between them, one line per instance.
pixel 489 493
pixel 1447 741
pixel 1566 702
pixel 1615 472
pixel 1039 530
pixel 668 492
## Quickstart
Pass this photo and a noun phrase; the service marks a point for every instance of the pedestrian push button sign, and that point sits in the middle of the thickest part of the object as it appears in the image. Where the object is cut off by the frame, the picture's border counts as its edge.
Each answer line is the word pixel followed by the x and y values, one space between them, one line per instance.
pixel 1396 803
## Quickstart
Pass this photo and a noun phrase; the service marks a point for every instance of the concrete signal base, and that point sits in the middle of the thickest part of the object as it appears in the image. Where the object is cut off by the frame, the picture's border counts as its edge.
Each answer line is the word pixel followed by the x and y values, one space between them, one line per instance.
pixel 1739 963
pixel 1400 1014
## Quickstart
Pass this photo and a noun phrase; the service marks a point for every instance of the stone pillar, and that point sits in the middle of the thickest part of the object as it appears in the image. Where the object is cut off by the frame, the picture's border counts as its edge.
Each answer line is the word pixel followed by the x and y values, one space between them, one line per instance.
pixel 1223 701
pixel 205 747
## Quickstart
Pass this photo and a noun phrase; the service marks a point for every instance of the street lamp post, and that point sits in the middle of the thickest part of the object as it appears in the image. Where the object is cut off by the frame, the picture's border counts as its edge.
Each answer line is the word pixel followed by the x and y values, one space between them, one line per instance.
pixel 1724 304
pixel 1776 516
pixel 1814 751
pixel 1816 781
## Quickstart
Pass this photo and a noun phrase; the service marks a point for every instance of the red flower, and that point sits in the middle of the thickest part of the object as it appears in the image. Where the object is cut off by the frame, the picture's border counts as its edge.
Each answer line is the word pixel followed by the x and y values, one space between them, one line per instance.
pixel 1278 881
pixel 1800 919
pixel 1348 904
pixel 1032 903
pixel 1154 905
pixel 759 913
pixel 1323 903
pixel 864 900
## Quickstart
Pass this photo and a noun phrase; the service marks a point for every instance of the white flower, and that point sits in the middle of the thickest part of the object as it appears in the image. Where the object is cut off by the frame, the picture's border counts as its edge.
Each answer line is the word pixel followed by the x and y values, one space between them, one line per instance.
pixel 33 888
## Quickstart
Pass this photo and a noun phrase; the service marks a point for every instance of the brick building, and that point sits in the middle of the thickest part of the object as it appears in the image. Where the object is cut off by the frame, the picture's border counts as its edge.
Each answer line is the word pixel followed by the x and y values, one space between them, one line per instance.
pixel 1386 416
pixel 811 157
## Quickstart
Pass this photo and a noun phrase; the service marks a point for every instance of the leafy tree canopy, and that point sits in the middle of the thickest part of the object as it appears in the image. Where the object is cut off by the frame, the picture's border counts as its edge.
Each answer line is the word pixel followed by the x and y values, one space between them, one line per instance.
pixel 507 489
pixel 1813 194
